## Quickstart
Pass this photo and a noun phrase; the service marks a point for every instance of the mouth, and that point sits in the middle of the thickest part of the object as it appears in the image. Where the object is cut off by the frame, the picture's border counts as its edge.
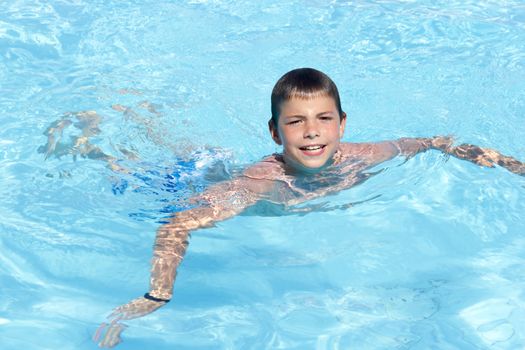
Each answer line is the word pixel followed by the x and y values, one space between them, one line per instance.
pixel 313 150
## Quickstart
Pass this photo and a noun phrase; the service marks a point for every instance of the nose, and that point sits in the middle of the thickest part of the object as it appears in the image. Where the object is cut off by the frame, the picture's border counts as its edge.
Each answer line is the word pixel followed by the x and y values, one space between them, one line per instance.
pixel 311 130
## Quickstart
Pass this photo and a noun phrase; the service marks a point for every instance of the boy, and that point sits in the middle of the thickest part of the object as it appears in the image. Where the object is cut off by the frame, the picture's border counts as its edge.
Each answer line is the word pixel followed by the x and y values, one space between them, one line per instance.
pixel 307 120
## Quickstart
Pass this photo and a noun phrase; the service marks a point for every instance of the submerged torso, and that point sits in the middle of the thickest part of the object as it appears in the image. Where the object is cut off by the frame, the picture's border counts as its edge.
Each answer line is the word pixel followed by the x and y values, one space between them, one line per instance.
pixel 290 187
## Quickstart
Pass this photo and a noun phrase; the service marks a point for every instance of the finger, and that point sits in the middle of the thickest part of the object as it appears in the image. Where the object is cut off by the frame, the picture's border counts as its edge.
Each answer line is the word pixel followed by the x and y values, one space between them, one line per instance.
pixel 99 331
pixel 112 336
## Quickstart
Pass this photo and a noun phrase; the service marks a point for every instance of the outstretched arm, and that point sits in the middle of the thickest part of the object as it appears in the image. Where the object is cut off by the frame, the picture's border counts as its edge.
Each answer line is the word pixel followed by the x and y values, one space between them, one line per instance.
pixel 220 202
pixel 487 157
pixel 481 156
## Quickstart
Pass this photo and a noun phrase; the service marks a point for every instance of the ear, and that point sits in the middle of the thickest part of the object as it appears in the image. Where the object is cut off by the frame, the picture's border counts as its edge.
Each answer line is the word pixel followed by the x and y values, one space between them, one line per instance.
pixel 342 125
pixel 274 132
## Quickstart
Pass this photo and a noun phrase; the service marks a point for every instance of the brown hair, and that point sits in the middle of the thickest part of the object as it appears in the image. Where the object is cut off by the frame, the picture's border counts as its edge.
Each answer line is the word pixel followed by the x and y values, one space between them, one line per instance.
pixel 303 83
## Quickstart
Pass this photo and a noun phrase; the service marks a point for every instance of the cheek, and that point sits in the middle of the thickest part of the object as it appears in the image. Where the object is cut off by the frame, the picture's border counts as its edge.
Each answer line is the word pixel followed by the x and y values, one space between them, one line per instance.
pixel 289 134
pixel 335 131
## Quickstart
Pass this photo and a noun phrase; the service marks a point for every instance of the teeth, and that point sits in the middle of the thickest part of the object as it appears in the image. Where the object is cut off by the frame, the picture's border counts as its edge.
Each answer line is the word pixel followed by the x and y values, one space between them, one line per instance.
pixel 311 148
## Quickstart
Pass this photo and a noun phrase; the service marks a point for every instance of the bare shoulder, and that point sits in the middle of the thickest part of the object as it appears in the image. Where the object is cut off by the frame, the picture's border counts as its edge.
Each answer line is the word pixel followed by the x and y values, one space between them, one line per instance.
pixel 261 176
pixel 373 151
pixel 270 168
pixel 354 148
pixel 365 148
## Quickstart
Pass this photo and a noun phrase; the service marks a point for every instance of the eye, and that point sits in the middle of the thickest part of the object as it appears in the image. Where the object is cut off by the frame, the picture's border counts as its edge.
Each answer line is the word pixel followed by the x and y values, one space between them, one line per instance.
pixel 326 118
pixel 293 122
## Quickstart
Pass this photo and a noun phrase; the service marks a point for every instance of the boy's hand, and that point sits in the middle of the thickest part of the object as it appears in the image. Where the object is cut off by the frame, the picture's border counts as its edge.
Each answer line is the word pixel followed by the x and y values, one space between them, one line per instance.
pixel 135 308
pixel 112 336
pixel 488 158
pixel 477 155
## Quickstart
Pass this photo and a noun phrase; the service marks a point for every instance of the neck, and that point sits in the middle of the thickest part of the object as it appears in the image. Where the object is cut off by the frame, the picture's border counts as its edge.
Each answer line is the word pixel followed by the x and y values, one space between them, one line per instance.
pixel 298 169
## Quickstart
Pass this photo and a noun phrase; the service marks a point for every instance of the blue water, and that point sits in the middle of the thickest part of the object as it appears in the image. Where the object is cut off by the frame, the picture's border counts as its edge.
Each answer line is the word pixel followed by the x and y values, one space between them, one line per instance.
pixel 430 255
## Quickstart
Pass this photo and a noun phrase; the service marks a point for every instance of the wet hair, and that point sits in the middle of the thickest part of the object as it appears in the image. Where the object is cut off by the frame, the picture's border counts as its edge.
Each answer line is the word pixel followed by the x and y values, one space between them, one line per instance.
pixel 303 83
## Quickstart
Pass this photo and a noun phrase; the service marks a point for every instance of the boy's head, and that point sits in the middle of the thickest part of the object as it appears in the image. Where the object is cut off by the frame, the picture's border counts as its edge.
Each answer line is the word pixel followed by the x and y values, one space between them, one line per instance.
pixel 307 119
pixel 303 83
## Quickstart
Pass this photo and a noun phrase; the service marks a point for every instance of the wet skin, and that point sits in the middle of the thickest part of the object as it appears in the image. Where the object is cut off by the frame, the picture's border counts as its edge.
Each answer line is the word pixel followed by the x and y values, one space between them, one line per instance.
pixel 309 131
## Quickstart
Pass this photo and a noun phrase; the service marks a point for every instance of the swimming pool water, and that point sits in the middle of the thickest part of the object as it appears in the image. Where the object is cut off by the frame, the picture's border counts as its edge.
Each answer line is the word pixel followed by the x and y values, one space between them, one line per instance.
pixel 428 254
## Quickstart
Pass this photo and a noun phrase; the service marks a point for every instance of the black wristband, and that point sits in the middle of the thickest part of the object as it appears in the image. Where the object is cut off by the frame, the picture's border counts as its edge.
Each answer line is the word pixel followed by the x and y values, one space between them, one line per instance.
pixel 158 300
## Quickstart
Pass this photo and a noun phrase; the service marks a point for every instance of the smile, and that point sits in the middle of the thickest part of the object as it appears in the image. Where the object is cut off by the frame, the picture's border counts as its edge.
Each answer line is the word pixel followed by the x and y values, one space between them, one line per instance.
pixel 313 150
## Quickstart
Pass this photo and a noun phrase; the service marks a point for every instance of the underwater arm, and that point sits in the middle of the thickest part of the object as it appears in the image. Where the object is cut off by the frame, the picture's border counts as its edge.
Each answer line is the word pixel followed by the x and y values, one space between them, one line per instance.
pixel 218 203
pixel 487 157
pixel 481 156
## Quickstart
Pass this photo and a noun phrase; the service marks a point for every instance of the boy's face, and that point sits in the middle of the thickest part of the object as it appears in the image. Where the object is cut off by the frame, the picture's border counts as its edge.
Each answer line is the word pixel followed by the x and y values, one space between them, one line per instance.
pixel 309 130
